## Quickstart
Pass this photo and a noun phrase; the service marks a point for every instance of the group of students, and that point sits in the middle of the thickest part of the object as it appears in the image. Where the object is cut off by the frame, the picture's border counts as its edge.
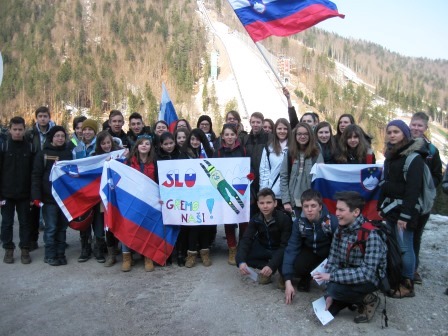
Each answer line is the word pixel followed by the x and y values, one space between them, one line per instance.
pixel 282 155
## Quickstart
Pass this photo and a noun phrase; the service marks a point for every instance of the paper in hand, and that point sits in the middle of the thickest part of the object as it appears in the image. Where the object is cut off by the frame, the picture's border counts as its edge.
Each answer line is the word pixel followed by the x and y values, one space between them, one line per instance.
pixel 252 274
pixel 323 315
pixel 321 269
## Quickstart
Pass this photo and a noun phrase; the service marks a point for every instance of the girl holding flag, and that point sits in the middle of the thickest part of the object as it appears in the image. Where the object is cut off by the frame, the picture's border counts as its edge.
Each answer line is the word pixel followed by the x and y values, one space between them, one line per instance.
pixel 197 147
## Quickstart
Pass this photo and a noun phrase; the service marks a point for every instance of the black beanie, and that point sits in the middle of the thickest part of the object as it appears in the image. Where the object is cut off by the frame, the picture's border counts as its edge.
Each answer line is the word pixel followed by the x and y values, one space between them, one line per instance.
pixel 207 118
pixel 53 130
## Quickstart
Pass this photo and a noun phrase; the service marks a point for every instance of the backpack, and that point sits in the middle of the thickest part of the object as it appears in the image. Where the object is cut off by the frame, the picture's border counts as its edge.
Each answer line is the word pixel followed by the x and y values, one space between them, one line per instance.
pixel 429 192
pixel 391 282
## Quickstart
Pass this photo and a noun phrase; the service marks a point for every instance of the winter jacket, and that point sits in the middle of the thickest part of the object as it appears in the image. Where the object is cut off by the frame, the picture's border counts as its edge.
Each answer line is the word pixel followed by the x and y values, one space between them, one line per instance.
pixel 82 150
pixel 433 161
pixel 122 136
pixel 40 178
pixel 351 159
pixel 149 169
pixel 162 155
pixel 270 169
pixel 445 181
pixel 225 152
pixel 327 152
pixel 16 165
pixel 37 137
pixel 132 137
pixel 273 236
pixel 291 184
pixel 395 187
pixel 293 118
pixel 316 236
pixel 359 268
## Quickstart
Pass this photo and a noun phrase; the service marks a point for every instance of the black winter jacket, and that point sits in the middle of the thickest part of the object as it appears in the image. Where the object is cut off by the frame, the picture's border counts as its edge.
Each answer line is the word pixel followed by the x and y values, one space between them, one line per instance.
pixel 16 165
pixel 394 186
pixel 315 236
pixel 273 237
pixel 40 181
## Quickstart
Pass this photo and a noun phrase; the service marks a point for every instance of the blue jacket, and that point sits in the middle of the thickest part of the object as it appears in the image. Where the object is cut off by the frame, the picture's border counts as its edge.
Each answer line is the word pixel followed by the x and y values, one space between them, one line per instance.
pixel 315 236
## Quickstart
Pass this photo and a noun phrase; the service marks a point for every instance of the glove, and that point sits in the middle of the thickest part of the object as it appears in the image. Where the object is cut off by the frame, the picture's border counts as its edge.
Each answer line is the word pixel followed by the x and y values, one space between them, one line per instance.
pixel 38 203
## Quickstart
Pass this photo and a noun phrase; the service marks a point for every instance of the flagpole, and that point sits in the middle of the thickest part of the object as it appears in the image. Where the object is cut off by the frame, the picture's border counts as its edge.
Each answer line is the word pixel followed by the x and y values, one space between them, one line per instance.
pixel 269 63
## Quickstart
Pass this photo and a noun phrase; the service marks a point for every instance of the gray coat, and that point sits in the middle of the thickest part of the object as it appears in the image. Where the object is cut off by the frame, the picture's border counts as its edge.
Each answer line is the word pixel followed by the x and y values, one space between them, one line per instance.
pixel 291 186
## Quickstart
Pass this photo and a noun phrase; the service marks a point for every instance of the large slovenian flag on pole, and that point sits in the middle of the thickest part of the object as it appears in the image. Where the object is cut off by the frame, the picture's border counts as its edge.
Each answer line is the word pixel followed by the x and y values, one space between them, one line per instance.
pixel 263 18
pixel 133 212
pixel 328 179
pixel 76 183
pixel 167 110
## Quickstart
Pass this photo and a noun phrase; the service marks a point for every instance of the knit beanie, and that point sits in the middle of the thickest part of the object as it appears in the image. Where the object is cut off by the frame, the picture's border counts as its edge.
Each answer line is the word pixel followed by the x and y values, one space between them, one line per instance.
pixel 90 123
pixel 402 126
pixel 53 131
pixel 206 118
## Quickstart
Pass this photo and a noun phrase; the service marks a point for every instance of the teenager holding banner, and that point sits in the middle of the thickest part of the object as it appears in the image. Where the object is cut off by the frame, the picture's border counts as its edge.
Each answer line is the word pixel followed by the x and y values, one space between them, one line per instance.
pixel 197 146
pixel 230 146
pixel 295 175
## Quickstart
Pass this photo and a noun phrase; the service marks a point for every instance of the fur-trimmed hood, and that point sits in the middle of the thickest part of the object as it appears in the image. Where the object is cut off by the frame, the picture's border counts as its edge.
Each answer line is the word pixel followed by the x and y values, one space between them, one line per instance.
pixel 416 145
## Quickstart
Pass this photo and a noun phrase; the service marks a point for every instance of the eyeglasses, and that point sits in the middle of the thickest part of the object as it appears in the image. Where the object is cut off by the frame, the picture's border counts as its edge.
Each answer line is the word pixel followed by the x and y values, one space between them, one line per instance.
pixel 305 135
pixel 204 124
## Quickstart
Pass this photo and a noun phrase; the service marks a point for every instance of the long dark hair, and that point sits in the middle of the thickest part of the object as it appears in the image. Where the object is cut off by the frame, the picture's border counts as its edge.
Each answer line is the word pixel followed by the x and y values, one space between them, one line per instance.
pixel 100 138
pixel 332 141
pixel 311 149
pixel 134 151
pixel 192 152
pixel 345 115
pixel 360 152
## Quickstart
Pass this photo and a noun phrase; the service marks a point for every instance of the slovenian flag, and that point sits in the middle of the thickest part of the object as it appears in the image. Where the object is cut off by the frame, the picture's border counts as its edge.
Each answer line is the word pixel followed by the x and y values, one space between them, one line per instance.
pixel 133 212
pixel 167 110
pixel 331 178
pixel 263 18
pixel 76 183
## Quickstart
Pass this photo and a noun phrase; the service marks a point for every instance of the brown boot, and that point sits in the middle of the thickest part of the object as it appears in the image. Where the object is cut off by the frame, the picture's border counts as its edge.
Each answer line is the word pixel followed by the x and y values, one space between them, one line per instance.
pixel 281 283
pixel 264 280
pixel 191 259
pixel 406 290
pixel 205 257
pixel 9 256
pixel 25 257
pixel 367 309
pixel 149 265
pixel 110 259
pixel 127 259
pixel 232 255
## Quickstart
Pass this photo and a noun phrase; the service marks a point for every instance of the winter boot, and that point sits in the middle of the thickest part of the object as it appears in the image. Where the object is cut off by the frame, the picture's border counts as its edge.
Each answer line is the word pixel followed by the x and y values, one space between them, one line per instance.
pixel 149 265
pixel 99 255
pixel 368 308
pixel 9 256
pixel 110 260
pixel 180 258
pixel 127 260
pixel 406 290
pixel 281 282
pixel 191 259
pixel 205 257
pixel 86 248
pixel 25 257
pixel 232 255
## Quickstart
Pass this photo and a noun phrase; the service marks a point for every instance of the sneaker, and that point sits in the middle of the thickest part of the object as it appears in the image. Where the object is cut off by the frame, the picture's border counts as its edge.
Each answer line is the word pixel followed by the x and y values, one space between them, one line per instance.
pixel 264 280
pixel 367 309
pixel 417 278
pixel 52 261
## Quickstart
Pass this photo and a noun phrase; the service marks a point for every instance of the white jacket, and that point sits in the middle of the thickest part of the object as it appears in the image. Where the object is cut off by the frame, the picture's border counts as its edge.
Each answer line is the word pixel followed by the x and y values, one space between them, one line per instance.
pixel 269 173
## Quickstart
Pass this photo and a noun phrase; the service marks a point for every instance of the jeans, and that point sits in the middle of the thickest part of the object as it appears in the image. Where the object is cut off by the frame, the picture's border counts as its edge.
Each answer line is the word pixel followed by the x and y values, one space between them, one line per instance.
pixel 405 239
pixel 22 207
pixel 352 294
pixel 55 231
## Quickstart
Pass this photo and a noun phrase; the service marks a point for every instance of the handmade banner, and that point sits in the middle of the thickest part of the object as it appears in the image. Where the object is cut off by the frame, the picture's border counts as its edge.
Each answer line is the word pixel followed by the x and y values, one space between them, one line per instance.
pixel 132 212
pixel 205 191
pixel 331 178
pixel 76 183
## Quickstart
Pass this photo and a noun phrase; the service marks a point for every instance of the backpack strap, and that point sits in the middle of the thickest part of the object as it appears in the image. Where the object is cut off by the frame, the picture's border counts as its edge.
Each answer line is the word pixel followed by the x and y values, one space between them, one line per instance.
pixel 267 156
pixel 408 162
pixel 361 239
